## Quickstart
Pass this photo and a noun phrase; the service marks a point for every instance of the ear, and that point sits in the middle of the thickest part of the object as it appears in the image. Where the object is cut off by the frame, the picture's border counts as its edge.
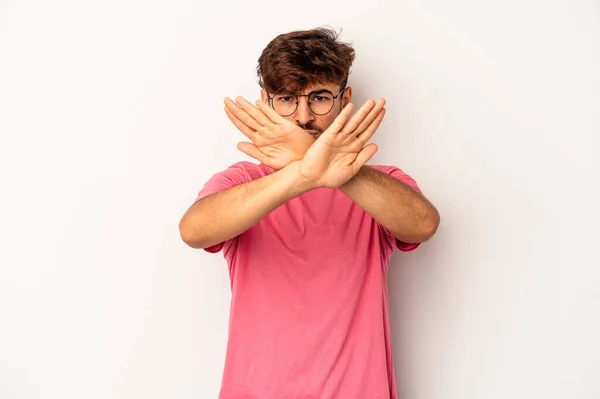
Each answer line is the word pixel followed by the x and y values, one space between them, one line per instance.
pixel 347 96
pixel 263 95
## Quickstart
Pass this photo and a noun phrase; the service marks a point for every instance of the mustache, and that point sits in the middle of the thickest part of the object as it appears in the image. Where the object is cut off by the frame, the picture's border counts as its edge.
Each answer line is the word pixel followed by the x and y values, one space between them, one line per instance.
pixel 310 127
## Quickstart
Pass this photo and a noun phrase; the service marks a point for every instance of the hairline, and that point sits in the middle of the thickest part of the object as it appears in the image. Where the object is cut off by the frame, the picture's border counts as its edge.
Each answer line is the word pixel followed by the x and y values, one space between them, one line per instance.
pixel 320 88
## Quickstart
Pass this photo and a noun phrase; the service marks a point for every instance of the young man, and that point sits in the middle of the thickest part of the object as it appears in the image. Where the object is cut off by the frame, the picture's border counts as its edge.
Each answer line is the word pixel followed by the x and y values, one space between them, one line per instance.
pixel 308 233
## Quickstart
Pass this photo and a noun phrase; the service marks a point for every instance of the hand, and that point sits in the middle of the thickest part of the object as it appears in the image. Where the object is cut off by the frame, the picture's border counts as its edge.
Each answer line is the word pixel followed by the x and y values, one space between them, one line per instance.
pixel 339 153
pixel 276 141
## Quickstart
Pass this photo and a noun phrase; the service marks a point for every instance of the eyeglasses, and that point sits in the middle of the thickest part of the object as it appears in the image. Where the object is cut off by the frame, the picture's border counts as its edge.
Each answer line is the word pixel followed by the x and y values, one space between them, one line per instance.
pixel 320 102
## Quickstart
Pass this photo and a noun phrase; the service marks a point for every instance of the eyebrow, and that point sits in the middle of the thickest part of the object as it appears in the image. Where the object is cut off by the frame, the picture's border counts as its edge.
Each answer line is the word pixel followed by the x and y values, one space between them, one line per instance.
pixel 319 91
pixel 316 91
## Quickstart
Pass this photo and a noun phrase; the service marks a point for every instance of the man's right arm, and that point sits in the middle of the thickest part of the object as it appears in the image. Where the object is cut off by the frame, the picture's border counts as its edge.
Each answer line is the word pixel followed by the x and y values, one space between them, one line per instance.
pixel 229 213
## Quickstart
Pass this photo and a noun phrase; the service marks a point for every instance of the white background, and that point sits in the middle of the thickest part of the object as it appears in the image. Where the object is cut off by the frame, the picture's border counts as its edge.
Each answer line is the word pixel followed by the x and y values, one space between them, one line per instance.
pixel 111 120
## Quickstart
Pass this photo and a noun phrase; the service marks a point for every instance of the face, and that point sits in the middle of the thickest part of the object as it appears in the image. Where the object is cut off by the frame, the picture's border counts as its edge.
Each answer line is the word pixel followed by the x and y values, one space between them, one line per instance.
pixel 307 119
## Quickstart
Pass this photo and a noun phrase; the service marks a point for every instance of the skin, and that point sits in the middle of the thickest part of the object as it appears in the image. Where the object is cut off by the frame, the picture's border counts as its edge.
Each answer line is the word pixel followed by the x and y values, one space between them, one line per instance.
pixel 335 159
pixel 276 146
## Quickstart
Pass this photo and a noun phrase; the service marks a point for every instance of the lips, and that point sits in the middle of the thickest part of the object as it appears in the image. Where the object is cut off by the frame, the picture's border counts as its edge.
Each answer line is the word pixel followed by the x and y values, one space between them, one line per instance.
pixel 313 133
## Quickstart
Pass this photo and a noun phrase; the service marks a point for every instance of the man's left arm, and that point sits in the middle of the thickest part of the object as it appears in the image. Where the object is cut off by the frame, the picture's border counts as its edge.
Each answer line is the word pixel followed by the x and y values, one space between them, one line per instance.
pixel 401 209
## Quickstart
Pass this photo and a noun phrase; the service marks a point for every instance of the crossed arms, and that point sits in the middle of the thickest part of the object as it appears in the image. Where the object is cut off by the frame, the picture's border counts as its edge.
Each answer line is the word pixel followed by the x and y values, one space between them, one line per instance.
pixel 335 160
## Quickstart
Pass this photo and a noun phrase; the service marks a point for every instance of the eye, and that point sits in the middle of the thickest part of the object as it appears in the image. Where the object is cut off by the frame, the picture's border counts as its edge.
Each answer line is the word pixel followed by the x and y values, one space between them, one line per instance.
pixel 285 99
pixel 325 98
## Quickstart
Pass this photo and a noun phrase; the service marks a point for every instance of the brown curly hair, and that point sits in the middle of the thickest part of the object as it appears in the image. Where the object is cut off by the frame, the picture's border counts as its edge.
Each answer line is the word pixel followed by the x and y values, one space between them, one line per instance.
pixel 292 61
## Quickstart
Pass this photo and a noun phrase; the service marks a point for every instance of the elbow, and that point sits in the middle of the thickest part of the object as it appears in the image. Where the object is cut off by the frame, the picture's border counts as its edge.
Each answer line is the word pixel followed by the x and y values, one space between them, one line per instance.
pixel 423 230
pixel 190 236
pixel 430 225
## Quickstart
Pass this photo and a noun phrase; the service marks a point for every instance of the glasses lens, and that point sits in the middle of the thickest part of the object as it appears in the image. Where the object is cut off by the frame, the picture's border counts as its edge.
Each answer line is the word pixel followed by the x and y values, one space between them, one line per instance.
pixel 284 104
pixel 321 103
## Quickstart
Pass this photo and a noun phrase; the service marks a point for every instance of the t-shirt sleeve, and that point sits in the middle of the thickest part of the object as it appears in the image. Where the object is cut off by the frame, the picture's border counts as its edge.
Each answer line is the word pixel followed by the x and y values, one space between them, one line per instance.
pixel 230 177
pixel 397 173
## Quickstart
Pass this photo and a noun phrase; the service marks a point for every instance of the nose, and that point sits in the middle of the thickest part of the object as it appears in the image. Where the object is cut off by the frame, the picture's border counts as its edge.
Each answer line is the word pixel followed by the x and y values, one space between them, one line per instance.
pixel 303 114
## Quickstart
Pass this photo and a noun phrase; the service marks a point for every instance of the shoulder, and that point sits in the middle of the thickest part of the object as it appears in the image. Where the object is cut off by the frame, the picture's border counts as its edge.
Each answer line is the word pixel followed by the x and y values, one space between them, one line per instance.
pixel 250 170
pixel 233 175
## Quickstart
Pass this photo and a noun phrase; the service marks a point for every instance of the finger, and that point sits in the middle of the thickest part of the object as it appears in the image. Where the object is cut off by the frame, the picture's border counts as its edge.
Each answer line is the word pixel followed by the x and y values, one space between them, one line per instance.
pixel 370 130
pixel 370 117
pixel 358 117
pixel 340 120
pixel 242 127
pixel 270 112
pixel 252 151
pixel 363 156
pixel 242 115
pixel 254 112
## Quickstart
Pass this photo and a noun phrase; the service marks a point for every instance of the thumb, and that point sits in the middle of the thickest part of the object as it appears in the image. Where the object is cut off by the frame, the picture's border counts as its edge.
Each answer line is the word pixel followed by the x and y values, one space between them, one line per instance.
pixel 364 155
pixel 252 151
pixel 340 120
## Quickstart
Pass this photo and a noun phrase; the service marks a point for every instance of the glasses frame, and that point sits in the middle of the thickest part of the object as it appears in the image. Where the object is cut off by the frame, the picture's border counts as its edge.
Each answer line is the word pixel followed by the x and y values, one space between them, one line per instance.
pixel 272 105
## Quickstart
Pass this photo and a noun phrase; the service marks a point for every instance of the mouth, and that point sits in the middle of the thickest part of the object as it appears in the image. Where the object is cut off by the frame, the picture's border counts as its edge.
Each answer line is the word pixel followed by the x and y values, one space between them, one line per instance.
pixel 313 133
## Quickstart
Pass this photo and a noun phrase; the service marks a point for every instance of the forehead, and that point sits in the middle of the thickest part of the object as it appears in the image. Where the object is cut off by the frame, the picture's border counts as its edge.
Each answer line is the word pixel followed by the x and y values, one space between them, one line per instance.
pixel 332 87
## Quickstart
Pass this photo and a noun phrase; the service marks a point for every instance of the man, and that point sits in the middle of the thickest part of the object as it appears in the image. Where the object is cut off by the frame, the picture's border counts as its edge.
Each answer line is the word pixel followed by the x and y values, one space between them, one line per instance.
pixel 308 233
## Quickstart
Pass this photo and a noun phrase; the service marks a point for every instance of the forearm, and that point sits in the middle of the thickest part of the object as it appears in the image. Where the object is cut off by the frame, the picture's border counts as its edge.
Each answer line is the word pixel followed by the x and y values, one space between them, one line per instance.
pixel 408 215
pixel 227 214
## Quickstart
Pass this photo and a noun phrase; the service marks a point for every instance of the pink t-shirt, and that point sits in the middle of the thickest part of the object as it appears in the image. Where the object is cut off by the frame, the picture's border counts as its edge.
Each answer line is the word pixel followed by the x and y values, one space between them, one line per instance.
pixel 309 310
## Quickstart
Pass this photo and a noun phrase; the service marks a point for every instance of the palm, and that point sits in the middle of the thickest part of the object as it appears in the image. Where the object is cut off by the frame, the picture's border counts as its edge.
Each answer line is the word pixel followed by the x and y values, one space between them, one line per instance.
pixel 275 141
pixel 329 162
pixel 282 144
pixel 340 151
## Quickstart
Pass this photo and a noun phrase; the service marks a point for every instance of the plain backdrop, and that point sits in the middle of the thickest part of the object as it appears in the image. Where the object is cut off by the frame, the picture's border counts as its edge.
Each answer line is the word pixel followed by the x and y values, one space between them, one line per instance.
pixel 111 120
